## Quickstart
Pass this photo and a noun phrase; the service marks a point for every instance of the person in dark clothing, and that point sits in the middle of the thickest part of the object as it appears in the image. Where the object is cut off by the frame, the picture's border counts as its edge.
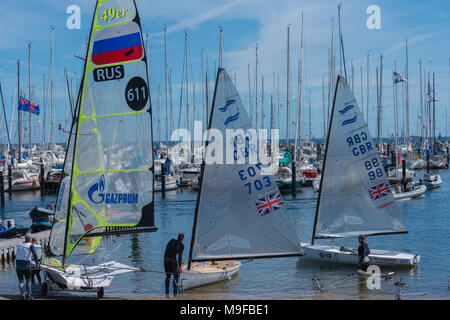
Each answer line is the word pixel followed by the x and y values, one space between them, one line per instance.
pixel 363 254
pixel 172 265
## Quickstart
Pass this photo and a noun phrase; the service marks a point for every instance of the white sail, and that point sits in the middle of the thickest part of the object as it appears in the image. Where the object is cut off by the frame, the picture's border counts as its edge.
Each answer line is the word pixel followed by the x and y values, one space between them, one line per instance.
pixel 229 223
pixel 355 196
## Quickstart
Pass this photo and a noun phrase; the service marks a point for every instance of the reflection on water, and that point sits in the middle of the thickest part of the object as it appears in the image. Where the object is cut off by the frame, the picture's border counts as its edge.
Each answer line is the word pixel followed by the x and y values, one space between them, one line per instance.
pixel 427 220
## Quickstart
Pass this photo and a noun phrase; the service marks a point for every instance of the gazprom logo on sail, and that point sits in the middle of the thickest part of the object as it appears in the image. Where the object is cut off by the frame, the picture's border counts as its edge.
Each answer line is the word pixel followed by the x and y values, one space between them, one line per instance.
pixel 97 195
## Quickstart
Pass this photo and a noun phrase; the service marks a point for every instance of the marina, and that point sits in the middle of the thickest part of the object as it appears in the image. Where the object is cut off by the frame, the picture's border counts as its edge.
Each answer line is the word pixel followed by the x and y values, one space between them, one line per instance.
pixel 288 278
pixel 311 190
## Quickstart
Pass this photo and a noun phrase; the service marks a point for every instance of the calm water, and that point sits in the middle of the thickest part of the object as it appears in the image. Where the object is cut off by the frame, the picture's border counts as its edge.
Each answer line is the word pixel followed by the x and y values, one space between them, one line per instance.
pixel 426 219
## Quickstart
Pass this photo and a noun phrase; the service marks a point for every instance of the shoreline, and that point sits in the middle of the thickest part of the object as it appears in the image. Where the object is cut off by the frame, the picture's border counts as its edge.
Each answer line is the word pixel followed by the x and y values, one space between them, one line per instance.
pixel 200 297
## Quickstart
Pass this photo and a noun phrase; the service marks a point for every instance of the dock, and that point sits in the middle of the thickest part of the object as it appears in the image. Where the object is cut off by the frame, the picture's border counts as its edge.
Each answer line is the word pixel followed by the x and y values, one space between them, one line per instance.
pixel 8 247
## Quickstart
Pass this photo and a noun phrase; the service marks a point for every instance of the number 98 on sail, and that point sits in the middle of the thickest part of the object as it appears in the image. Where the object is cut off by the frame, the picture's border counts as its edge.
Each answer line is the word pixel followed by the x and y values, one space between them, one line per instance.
pixel 136 93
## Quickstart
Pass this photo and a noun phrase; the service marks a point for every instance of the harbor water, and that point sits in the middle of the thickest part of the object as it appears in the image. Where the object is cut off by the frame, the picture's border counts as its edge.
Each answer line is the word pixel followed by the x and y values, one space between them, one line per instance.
pixel 427 221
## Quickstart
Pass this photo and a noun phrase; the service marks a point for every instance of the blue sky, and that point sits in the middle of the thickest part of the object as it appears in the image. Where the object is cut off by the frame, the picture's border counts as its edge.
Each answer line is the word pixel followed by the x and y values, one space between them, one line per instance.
pixel 245 23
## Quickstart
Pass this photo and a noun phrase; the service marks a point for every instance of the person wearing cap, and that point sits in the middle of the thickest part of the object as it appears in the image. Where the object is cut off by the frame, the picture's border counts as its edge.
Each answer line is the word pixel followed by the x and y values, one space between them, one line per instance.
pixel 24 254
pixel 363 254
pixel 172 265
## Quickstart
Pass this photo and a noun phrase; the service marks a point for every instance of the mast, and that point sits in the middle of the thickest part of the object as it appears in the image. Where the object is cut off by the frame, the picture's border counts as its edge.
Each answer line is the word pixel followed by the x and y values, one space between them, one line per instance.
pixel 52 95
pixel 353 76
pixel 256 86
pixel 44 103
pixel 193 116
pixel 202 172
pixel 271 105
pixel 262 102
pixel 316 216
pixel 29 96
pixel 220 47
pixel 299 98
pixel 158 112
pixel 207 94
pixel 19 114
pixel 323 110
pixel 165 86
pixel 395 119
pixel 340 38
pixel 250 102
pixel 203 96
pixel 187 81
pixel 65 99
pixel 421 103
pixel 380 105
pixel 310 117
pixel 407 96
pixel 171 104
pixel 434 116
pixel 367 88
pixel 362 92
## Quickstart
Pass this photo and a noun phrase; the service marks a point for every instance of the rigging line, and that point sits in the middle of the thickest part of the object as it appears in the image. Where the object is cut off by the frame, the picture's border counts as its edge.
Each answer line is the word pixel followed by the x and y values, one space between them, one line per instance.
pixel 70 97
pixel 6 124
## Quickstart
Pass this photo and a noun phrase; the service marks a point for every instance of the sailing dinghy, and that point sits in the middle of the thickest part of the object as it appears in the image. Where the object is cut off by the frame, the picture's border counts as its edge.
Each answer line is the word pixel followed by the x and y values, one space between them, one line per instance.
pixel 355 197
pixel 104 190
pixel 239 213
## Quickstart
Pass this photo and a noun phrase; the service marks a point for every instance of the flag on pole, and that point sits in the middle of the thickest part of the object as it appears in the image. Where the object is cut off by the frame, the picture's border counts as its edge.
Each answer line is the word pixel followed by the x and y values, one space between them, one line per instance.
pixel 28 106
pixel 398 78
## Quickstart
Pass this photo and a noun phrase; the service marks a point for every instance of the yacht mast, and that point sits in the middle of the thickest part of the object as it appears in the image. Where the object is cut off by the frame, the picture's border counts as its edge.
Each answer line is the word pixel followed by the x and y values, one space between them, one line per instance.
pixel 287 88
pixel 29 97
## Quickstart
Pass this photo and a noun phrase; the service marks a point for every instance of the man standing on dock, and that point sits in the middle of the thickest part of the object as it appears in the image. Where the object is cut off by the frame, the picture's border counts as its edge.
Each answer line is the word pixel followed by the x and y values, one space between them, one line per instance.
pixel 25 253
pixel 172 265
pixel 363 254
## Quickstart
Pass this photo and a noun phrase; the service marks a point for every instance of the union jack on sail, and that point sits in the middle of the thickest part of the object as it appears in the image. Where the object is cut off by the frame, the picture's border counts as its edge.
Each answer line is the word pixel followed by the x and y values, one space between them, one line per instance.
pixel 379 191
pixel 269 203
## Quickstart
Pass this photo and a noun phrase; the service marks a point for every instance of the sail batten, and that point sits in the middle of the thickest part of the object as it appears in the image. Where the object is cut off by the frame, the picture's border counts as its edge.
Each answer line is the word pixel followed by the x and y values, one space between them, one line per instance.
pixel 355 197
pixel 110 180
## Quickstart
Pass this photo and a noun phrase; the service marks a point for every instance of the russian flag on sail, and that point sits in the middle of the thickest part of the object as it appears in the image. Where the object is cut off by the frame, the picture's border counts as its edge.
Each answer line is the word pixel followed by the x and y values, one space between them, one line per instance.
pixel 26 105
pixel 117 44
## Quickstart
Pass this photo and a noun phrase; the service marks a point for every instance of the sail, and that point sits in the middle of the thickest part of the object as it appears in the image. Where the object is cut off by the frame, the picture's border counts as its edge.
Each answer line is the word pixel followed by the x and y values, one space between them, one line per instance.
pixel 108 171
pixel 355 196
pixel 240 212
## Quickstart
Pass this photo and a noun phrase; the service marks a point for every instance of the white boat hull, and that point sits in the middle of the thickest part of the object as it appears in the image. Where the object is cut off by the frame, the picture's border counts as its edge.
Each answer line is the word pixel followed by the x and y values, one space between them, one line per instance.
pixel 80 277
pixel 434 182
pixel 203 273
pixel 23 184
pixel 334 254
pixel 170 185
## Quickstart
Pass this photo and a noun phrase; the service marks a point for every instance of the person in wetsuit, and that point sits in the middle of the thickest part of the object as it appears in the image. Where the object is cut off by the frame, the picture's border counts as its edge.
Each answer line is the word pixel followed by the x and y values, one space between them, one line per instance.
pixel 363 254
pixel 172 265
